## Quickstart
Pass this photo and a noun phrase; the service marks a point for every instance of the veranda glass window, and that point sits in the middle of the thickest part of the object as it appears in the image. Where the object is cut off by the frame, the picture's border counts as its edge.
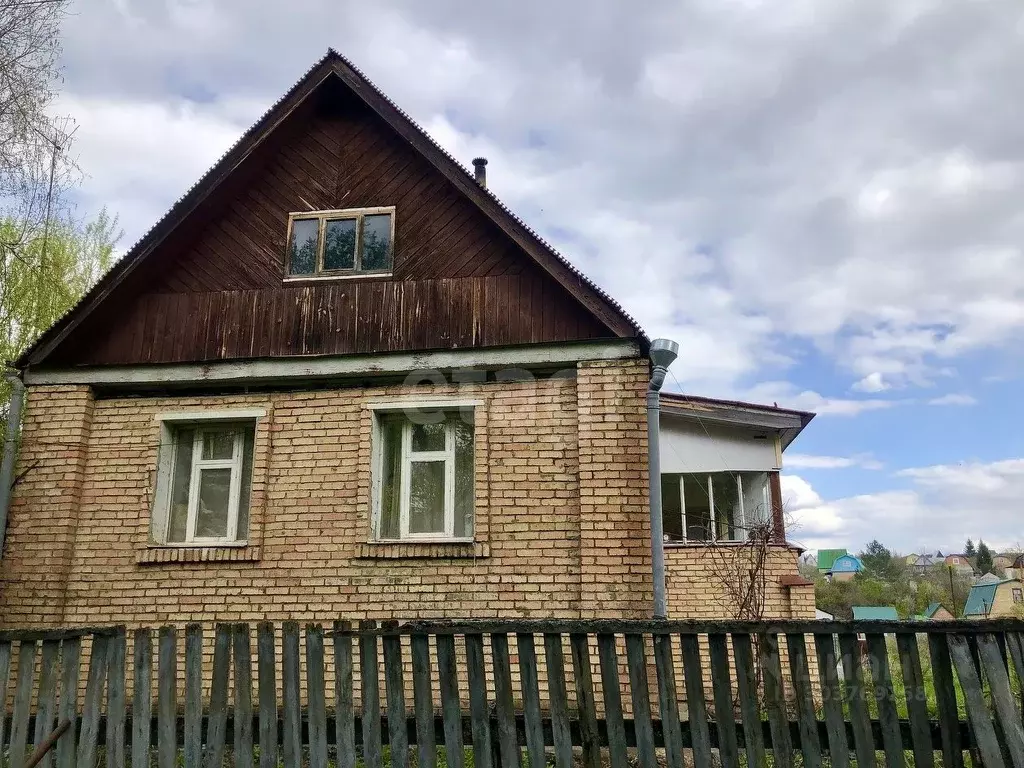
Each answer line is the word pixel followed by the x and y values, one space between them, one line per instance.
pixel 716 506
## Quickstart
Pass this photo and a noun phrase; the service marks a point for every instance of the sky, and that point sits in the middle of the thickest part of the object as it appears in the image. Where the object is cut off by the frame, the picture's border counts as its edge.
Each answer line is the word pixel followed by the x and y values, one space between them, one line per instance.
pixel 823 203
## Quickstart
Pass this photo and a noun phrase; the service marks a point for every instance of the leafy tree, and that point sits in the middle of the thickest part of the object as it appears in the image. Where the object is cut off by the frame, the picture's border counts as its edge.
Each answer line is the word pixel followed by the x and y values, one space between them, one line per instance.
pixel 984 562
pixel 879 563
pixel 969 549
pixel 42 276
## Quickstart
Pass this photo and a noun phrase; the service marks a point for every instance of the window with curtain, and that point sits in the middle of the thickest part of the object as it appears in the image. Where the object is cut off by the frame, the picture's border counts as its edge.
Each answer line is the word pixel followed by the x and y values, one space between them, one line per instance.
pixel 424 476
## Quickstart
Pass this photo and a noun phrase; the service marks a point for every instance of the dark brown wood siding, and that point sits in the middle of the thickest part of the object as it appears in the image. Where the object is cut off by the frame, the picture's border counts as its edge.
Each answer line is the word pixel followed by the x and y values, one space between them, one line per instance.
pixel 215 289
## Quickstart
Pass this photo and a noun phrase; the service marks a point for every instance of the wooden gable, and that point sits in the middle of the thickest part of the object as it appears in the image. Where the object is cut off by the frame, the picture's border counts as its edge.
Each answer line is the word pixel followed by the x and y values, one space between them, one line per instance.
pixel 211 287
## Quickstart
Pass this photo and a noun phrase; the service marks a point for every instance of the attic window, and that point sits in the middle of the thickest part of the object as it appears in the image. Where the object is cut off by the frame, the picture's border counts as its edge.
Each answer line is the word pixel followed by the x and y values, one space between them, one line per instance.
pixel 340 243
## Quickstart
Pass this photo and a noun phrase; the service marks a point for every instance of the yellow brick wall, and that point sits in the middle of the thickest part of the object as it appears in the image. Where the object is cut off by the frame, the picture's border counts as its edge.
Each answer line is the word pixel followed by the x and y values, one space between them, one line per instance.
pixel 561 511
pixel 615 549
pixel 697 576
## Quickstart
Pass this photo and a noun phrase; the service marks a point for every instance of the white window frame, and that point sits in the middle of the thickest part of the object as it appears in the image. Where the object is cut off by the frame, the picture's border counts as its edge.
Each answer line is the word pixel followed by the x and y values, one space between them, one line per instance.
pixel 203 423
pixel 322 218
pixel 407 457
pixel 742 521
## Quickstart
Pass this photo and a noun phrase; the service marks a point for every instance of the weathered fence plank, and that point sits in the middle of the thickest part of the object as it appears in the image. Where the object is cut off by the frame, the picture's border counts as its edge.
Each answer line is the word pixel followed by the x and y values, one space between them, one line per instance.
pixel 528 680
pixel 612 696
pixel 316 696
pixel 696 706
pixel 746 688
pixel 586 703
pixel 451 708
pixel 167 698
pixel 917 703
pixel 117 705
pixel 344 716
pixel 218 719
pixel 46 708
pixel 508 746
pixel 22 700
pixel 193 694
pixel 945 699
pixel 856 699
pixel 241 646
pixel 636 660
pixel 142 696
pixel 91 705
pixel 423 702
pixel 394 693
pixel 1002 697
pixel 888 717
pixel 775 701
pixel 810 746
pixel 831 701
pixel 721 690
pixel 977 712
pixel 558 699
pixel 5 671
pixel 369 672
pixel 668 701
pixel 71 650
pixel 266 670
pixel 479 720
pixel 291 741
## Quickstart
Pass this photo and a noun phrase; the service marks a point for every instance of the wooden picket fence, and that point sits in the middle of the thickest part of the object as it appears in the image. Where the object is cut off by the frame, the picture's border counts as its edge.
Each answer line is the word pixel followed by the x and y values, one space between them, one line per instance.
pixel 821 693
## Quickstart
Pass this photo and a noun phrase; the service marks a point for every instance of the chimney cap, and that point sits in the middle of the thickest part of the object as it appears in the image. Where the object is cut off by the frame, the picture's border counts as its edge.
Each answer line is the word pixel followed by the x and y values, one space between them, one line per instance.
pixel 479 161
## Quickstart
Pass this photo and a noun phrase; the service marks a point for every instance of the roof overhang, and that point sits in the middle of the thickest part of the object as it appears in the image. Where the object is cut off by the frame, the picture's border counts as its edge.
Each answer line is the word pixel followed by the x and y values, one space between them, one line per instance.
pixel 784 422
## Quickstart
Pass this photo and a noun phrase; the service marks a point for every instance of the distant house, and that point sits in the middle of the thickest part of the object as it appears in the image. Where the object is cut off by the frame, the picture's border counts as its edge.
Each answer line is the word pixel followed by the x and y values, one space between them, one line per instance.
pixel 1016 568
pixel 845 567
pixel 1004 560
pixel 934 612
pixel 821 615
pixel 875 613
pixel 994 597
pixel 921 564
pixel 828 556
pixel 960 563
pixel 911 559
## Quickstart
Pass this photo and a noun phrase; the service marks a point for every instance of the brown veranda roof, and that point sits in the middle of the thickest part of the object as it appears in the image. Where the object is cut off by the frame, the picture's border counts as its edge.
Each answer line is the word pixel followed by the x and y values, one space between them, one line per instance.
pixel 333 64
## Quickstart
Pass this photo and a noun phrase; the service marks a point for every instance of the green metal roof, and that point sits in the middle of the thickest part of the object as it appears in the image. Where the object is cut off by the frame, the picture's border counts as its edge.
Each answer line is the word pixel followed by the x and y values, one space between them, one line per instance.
pixel 983 594
pixel 828 556
pixel 874 613
pixel 931 610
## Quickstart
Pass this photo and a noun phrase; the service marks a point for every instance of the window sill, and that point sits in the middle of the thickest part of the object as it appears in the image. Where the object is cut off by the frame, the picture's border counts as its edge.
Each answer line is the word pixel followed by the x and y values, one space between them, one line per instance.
pixel 352 276
pixel 410 550
pixel 157 555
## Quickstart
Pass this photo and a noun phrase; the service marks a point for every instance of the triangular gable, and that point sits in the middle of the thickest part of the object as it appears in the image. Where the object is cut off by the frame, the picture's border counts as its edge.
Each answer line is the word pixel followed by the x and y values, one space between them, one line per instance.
pixel 604 310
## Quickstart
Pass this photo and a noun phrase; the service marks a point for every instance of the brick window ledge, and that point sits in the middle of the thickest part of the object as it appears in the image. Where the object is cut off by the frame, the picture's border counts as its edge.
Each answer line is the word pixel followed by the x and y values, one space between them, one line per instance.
pixel 161 555
pixel 402 550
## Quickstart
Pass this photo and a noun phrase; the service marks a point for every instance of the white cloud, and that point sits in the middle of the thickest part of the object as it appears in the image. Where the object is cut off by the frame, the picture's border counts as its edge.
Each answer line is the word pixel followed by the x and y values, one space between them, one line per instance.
pixel 873 382
pixel 944 506
pixel 788 395
pixel 808 461
pixel 954 399
pixel 140 156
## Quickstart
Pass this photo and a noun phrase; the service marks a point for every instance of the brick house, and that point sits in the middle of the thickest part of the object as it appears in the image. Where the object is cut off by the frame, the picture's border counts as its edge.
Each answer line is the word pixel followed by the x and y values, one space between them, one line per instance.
pixel 339 378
